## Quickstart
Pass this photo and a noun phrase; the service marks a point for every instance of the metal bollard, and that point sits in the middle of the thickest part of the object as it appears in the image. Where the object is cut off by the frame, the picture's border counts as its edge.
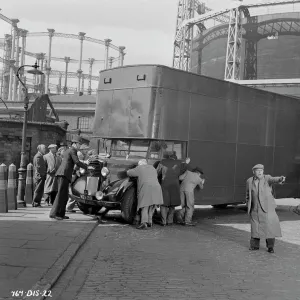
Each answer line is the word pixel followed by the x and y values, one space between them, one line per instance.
pixel 3 189
pixel 12 187
pixel 29 184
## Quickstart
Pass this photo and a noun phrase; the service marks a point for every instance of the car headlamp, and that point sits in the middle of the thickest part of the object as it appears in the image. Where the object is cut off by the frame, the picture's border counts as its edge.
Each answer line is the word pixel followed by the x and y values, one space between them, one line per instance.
pixel 104 171
pixel 99 195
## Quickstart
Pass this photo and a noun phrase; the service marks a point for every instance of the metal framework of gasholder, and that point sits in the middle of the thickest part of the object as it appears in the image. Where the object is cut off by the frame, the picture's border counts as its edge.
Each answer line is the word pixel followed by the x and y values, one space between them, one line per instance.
pixel 14 46
pixel 187 9
pixel 184 30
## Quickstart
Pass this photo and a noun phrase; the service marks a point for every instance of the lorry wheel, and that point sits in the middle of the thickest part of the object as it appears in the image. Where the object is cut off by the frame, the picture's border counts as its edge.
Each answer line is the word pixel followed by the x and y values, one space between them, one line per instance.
pixel 220 206
pixel 129 205
pixel 87 209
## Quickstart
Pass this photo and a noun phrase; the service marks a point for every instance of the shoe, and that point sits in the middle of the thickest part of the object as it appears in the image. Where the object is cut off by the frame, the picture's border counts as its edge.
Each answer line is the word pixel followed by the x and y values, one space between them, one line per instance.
pixel 180 223
pixel 189 224
pixel 169 224
pixel 253 248
pixel 71 211
pixel 271 250
pixel 142 226
pixel 36 205
pixel 162 224
pixel 149 225
pixel 66 218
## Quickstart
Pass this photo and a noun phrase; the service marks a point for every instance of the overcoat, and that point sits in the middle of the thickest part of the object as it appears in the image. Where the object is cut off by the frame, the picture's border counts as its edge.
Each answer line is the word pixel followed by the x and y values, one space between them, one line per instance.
pixel 149 190
pixel 170 170
pixel 39 167
pixel 261 207
pixel 66 167
pixel 52 164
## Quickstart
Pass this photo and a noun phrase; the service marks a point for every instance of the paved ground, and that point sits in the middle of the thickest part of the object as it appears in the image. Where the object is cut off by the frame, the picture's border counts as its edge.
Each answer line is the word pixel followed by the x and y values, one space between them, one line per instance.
pixel 210 261
pixel 34 247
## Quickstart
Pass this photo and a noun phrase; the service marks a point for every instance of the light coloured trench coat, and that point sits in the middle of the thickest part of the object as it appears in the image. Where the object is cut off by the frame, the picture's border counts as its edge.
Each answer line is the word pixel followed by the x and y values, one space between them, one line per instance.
pixel 149 190
pixel 261 208
pixel 52 164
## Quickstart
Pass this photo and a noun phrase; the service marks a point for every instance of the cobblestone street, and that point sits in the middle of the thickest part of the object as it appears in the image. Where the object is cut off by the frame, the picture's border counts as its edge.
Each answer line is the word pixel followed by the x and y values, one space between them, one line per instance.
pixel 209 261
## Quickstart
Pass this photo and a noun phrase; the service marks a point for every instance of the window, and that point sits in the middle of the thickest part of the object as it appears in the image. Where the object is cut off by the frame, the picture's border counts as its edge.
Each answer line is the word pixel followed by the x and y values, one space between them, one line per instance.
pixel 157 149
pixel 139 148
pixel 120 148
pixel 83 123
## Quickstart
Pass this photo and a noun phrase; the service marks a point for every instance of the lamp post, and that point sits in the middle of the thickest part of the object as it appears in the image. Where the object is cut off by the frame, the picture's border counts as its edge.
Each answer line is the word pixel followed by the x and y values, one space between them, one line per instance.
pixel 22 169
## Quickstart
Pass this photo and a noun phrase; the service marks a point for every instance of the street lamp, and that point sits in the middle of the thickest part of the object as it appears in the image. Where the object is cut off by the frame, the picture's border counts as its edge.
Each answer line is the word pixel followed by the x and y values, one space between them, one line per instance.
pixel 22 169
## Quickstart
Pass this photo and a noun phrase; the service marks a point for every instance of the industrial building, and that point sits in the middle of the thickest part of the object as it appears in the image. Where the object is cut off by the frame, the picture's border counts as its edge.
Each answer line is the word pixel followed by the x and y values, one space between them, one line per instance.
pixel 252 43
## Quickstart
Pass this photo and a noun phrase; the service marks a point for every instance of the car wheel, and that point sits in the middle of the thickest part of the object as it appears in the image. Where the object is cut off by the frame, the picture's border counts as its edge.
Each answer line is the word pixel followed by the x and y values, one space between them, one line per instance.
pixel 88 209
pixel 220 206
pixel 129 205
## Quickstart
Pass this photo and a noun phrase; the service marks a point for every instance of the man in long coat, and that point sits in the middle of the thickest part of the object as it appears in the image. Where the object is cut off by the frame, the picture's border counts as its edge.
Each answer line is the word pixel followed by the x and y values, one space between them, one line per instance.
pixel 261 208
pixel 39 175
pixel 64 177
pixel 169 170
pixel 52 164
pixel 149 191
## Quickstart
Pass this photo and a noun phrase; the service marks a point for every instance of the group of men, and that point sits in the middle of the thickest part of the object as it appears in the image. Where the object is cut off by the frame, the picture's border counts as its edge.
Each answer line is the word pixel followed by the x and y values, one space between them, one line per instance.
pixel 168 184
pixel 161 186
pixel 53 174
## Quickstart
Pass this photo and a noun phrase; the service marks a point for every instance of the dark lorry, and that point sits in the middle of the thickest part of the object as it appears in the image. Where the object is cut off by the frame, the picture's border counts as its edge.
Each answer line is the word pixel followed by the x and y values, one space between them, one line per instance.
pixel 225 128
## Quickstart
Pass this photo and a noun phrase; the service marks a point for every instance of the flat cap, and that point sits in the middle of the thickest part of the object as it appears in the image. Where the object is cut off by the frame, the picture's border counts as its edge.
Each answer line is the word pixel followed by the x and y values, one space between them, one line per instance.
pixel 76 139
pixel 52 146
pixel 258 166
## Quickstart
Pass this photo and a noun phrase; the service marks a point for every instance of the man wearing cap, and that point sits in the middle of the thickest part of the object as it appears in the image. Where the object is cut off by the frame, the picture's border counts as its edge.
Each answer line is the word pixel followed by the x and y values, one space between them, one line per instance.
pixel 261 208
pixel 64 177
pixel 190 180
pixel 39 175
pixel 149 191
pixel 77 173
pixel 52 165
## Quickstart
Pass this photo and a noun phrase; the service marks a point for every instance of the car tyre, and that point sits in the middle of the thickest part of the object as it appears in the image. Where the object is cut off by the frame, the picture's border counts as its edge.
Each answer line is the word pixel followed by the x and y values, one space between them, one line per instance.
pixel 129 205
pixel 88 209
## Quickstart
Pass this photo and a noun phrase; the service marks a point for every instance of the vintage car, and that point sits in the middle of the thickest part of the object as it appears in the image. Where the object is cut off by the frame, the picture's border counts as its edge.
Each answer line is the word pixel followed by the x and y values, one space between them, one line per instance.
pixel 93 190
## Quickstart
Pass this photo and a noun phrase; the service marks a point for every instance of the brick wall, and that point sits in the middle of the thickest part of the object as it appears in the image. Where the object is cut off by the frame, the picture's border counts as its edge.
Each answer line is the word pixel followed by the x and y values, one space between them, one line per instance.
pixel 37 133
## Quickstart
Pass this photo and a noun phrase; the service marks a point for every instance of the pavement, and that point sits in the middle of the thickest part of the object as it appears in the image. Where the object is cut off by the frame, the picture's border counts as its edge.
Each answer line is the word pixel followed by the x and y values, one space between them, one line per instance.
pixel 35 251
pixel 210 261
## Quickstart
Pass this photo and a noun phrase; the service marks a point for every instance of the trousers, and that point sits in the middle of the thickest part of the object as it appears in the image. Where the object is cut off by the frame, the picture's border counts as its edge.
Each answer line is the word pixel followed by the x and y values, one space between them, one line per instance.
pixel 147 214
pixel 187 204
pixel 167 214
pixel 61 199
pixel 38 190
pixel 50 197
pixel 254 242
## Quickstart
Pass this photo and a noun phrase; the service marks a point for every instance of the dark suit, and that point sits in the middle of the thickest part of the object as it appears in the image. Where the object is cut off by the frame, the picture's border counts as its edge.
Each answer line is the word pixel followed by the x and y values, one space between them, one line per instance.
pixel 64 176
pixel 169 170
pixel 39 176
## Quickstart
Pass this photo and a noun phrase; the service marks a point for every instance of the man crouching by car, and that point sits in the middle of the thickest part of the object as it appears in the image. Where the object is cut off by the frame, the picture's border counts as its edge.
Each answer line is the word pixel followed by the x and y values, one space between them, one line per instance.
pixel 149 191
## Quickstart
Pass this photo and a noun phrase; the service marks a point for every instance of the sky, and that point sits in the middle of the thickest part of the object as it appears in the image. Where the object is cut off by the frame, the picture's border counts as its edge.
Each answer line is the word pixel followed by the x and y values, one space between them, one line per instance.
pixel 145 27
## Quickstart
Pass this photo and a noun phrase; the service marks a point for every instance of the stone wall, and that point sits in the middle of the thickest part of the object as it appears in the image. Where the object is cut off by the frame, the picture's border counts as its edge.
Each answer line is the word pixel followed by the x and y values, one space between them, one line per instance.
pixel 37 133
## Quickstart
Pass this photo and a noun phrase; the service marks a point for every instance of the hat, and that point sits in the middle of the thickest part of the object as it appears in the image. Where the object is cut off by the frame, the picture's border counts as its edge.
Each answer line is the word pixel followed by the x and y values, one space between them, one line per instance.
pixel 258 166
pixel 76 139
pixel 84 147
pixel 61 149
pixel 62 144
pixel 52 146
